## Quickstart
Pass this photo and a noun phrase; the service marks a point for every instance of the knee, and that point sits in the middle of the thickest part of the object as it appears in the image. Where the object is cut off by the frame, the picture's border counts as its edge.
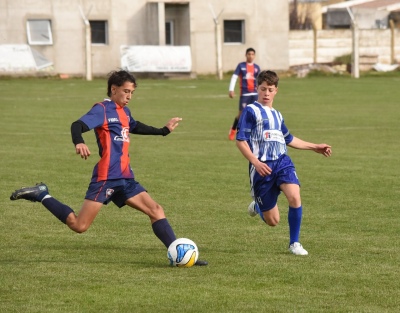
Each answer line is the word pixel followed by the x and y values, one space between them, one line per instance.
pixel 156 212
pixel 272 221
pixel 294 201
pixel 79 228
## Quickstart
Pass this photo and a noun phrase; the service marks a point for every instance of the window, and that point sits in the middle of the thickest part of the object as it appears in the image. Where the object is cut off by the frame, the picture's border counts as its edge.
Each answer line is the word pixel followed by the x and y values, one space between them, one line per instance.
pixel 99 32
pixel 234 31
pixel 39 32
pixel 169 33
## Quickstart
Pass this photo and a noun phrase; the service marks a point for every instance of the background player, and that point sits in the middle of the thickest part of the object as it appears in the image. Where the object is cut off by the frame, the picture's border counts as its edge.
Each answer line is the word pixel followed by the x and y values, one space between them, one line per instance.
pixel 112 178
pixel 262 139
pixel 247 73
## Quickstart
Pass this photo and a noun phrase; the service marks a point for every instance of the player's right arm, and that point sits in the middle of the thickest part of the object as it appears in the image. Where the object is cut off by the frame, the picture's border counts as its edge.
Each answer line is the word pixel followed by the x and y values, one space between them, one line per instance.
pixel 246 123
pixel 77 128
pixel 234 78
pixel 232 86
pixel 261 168
pixel 94 118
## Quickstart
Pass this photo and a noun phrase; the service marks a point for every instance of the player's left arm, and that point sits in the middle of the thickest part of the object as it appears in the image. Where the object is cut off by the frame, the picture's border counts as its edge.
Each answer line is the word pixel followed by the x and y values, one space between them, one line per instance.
pixel 143 129
pixel 322 148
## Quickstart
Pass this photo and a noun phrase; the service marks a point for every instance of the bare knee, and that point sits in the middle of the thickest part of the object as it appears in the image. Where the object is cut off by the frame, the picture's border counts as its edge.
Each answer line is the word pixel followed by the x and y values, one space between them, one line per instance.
pixel 272 221
pixel 294 200
pixel 156 212
pixel 272 217
pixel 78 227
pixel 80 230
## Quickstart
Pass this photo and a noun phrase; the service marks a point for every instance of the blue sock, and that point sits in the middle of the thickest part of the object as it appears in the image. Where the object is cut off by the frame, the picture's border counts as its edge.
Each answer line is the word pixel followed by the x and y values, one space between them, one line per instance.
pixel 58 209
pixel 41 196
pixel 163 230
pixel 257 208
pixel 294 219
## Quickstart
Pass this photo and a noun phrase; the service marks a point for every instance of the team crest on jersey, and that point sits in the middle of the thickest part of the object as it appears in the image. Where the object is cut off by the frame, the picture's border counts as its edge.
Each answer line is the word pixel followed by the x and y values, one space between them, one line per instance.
pixel 124 135
pixel 266 135
pixel 109 192
pixel 249 76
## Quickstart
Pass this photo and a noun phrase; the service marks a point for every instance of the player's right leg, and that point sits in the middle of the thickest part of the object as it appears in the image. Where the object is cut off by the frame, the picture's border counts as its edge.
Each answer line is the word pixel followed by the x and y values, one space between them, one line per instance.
pixel 40 193
pixel 242 105
pixel 265 193
pixel 232 131
pixel 272 216
pixel 81 222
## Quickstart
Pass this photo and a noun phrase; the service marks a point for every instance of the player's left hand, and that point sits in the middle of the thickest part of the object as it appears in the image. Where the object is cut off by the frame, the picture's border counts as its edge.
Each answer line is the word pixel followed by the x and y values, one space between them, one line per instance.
pixel 324 149
pixel 173 123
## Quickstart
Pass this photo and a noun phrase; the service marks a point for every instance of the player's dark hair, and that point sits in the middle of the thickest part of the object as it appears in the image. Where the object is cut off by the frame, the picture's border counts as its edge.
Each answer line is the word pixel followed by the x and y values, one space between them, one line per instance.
pixel 118 78
pixel 270 77
pixel 250 50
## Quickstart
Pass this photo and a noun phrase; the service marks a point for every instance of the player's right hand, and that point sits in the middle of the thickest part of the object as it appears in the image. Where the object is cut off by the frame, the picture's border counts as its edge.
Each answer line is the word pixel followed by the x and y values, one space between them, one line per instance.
pixel 231 94
pixel 262 169
pixel 83 150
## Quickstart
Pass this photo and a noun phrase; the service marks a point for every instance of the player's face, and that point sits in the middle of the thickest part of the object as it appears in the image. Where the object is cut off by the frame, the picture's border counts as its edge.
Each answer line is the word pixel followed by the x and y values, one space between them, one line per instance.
pixel 122 94
pixel 250 56
pixel 266 94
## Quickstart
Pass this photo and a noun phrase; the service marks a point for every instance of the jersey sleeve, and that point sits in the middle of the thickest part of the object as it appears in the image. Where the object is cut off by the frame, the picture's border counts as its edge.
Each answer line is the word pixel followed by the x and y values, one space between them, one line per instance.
pixel 245 124
pixel 132 121
pixel 237 70
pixel 286 134
pixel 95 117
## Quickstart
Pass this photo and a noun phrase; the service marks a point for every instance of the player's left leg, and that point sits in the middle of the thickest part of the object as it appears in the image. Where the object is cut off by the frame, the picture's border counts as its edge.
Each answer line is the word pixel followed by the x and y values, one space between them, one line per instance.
pixel 142 201
pixel 295 213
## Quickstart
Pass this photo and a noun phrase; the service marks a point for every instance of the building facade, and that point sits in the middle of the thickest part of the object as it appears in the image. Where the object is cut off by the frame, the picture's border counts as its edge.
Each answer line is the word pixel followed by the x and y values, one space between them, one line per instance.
pixel 216 31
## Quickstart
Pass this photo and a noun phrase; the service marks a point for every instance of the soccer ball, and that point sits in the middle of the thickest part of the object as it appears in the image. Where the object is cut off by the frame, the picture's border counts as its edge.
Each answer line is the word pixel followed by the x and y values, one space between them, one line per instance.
pixel 182 252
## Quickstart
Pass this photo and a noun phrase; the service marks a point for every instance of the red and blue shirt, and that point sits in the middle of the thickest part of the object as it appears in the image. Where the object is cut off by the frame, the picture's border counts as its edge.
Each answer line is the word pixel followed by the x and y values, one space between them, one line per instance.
pixel 247 73
pixel 112 125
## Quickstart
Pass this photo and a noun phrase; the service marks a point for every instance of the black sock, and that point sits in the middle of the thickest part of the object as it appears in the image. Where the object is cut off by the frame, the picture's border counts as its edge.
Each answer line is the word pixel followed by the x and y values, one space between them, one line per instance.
pixel 235 122
pixel 59 210
pixel 163 231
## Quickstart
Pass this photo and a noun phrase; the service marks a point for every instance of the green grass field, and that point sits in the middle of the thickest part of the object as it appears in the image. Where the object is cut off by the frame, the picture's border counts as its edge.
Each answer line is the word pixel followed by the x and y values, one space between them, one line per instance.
pixel 351 202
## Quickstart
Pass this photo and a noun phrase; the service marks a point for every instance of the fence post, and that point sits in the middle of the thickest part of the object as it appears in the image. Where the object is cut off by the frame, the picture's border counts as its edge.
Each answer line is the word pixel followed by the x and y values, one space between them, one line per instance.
pixel 315 42
pixel 355 66
pixel 392 42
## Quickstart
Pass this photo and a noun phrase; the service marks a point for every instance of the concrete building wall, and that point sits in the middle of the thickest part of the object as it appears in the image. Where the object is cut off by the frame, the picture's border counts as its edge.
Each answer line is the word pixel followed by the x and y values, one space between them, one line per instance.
pixel 335 43
pixel 136 23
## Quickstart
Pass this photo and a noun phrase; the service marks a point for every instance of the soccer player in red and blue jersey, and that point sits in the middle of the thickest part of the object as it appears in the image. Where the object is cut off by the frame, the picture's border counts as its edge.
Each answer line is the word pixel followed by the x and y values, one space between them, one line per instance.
pixel 247 73
pixel 263 138
pixel 112 178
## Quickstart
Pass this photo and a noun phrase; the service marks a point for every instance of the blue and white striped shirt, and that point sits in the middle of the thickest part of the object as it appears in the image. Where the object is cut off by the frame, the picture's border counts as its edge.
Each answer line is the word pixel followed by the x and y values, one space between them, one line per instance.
pixel 265 131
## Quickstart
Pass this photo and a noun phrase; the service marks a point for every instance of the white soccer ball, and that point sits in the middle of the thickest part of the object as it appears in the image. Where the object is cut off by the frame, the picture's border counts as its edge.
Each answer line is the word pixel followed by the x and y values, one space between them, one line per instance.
pixel 183 252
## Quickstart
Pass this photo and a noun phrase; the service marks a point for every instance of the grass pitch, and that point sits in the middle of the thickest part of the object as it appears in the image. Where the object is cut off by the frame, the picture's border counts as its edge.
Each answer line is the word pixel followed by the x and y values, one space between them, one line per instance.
pixel 351 215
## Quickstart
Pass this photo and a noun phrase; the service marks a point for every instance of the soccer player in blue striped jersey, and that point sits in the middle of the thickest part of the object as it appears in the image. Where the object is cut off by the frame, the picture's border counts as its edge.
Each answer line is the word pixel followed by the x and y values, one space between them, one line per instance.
pixel 247 73
pixel 113 179
pixel 263 138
